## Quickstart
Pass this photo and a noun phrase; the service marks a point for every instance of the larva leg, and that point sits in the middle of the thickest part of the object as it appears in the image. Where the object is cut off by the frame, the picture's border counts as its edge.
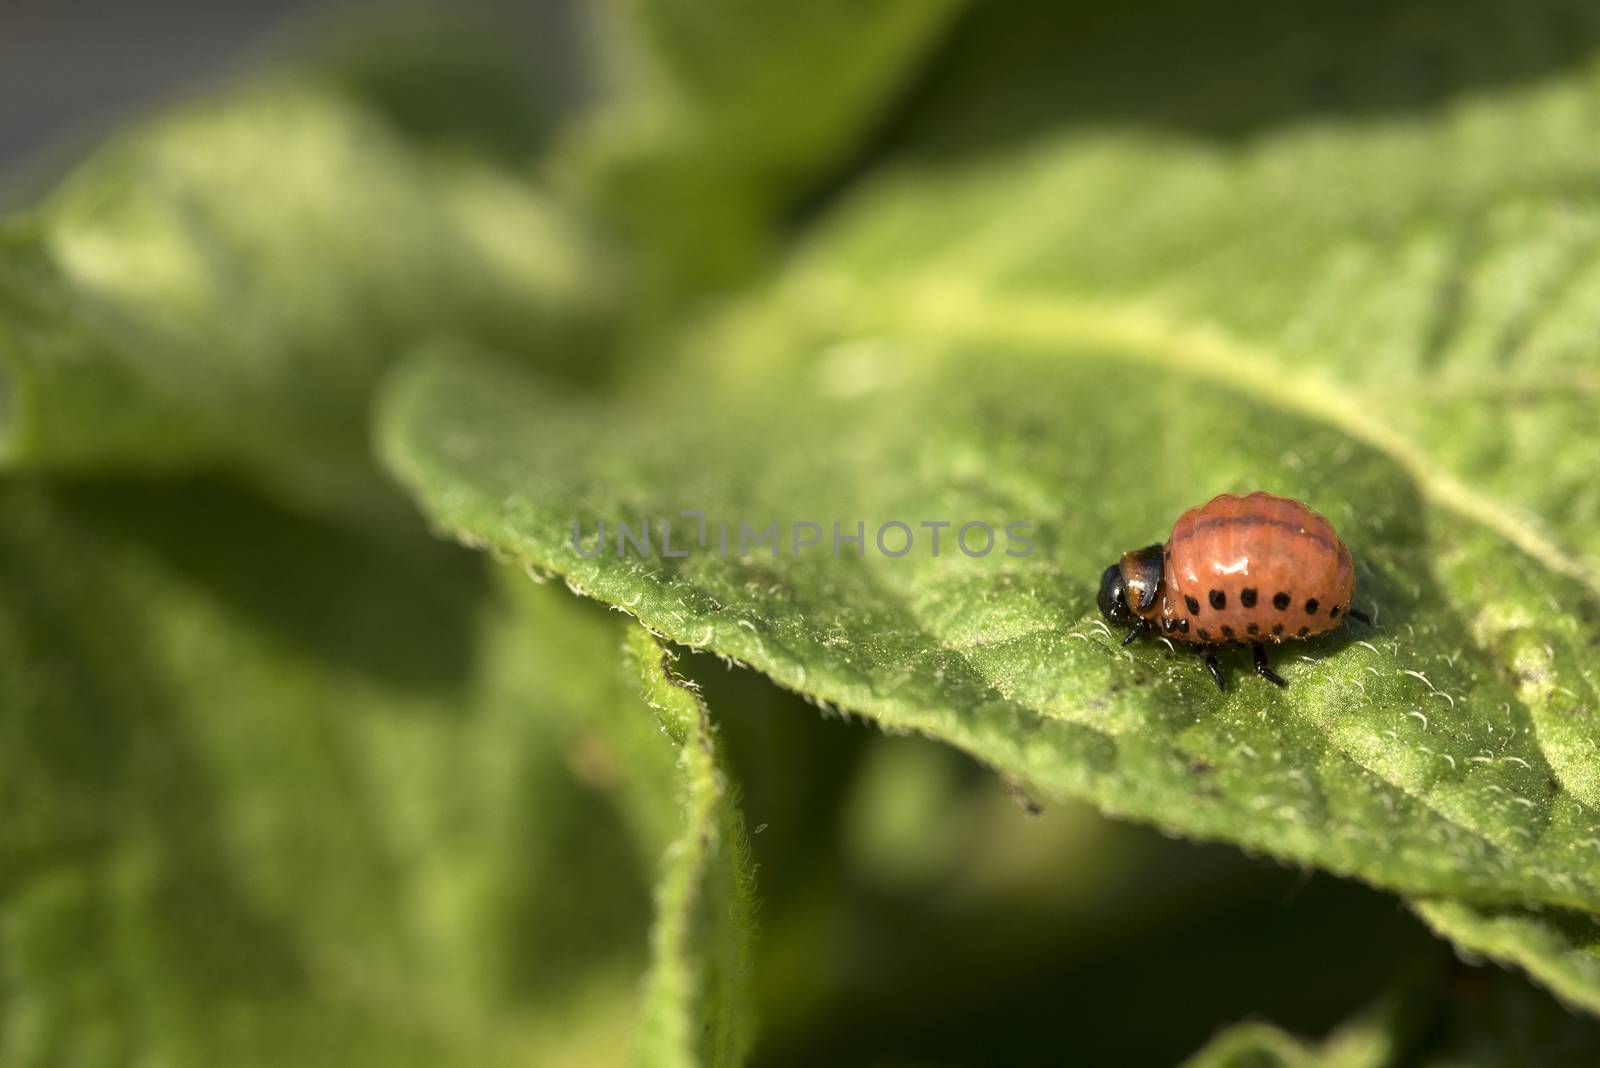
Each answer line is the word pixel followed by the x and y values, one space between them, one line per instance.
pixel 1263 669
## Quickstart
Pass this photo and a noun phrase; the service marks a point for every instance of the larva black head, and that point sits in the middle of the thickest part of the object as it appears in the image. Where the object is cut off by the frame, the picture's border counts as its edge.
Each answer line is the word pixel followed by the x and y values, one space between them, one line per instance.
pixel 1113 598
pixel 1128 588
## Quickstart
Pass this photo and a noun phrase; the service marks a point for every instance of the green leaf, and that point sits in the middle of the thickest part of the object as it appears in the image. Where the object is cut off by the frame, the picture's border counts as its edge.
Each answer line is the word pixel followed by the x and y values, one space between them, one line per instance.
pixel 223 286
pixel 1308 219
pixel 718 117
pixel 1410 759
pixel 696 995
pixel 1559 948
pixel 329 802
pixel 1363 1043
pixel 1472 1018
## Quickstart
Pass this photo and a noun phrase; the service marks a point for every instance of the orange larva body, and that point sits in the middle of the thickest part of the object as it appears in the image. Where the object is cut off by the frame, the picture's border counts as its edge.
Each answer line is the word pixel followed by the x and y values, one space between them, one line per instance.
pixel 1252 569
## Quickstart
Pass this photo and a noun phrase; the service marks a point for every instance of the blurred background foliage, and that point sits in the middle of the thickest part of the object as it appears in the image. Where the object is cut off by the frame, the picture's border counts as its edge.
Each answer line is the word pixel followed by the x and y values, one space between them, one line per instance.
pixel 288 781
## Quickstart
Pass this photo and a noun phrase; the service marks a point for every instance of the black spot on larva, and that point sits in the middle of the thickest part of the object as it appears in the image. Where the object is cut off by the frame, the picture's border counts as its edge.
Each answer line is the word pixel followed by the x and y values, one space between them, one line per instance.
pixel 1253 629
pixel 1247 596
pixel 1194 605
pixel 1219 600
pixel 1304 631
pixel 1170 625
pixel 1280 601
pixel 1227 631
pixel 1203 635
pixel 1183 626
pixel 1333 613
pixel 1311 607
pixel 1277 628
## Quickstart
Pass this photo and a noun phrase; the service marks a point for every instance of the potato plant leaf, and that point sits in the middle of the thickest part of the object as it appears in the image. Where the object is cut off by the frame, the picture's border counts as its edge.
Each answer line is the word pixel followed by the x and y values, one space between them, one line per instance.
pixel 1406 756
pixel 221 288
pixel 334 803
pixel 1073 297
pixel 696 1009
pixel 1307 220
pixel 718 116
pixel 1360 1044
pixel 1343 254
pixel 1475 1018
pixel 1558 947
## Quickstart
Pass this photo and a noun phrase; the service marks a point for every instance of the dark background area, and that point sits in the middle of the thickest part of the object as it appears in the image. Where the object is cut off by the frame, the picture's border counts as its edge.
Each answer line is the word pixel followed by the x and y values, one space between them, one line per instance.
pixel 71 72
pixel 73 69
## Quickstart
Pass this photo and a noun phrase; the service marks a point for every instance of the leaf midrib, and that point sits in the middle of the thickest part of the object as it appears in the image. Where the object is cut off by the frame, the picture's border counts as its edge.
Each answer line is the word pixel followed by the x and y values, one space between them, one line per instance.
pixel 944 309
